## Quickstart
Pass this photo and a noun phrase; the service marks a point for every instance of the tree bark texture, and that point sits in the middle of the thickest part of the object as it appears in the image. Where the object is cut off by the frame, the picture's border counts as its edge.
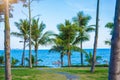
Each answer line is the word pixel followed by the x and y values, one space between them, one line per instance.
pixel 114 67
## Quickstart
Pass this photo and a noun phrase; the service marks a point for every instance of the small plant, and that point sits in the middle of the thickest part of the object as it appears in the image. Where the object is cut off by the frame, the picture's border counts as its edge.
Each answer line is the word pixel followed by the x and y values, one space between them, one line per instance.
pixel 14 61
pixel 33 60
pixel 2 60
pixel 88 58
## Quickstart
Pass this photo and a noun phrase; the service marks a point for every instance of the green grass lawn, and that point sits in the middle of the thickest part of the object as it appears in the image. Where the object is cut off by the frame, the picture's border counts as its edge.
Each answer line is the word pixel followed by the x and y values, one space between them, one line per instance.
pixel 101 73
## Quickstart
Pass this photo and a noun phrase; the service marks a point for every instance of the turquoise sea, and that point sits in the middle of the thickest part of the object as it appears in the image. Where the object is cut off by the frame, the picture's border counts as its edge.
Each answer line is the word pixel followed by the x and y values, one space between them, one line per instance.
pixel 50 58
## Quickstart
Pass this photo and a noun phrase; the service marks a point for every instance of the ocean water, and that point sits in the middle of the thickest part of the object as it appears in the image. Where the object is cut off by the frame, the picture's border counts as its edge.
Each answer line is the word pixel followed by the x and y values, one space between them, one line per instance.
pixel 50 58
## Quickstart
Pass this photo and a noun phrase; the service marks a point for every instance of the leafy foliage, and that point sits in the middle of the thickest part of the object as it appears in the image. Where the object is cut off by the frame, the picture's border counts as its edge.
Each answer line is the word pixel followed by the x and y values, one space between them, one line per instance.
pixel 88 58
pixel 110 26
pixel 33 60
pixel 2 60
pixel 14 61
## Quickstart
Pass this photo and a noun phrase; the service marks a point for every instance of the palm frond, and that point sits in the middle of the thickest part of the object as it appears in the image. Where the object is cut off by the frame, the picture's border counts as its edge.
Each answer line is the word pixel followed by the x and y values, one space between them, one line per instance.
pixel 75 48
pixel 17 34
pixel 108 42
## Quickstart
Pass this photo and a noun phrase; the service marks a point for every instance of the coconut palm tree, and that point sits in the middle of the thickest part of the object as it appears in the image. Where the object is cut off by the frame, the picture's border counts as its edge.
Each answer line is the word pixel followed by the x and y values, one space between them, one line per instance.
pixel 82 23
pixel 110 26
pixel 114 66
pixel 38 36
pixel 27 3
pixel 96 38
pixel 68 33
pixel 58 46
pixel 23 27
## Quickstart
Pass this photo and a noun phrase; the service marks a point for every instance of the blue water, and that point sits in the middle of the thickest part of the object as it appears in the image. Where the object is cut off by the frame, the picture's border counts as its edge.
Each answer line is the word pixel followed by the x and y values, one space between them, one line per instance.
pixel 49 58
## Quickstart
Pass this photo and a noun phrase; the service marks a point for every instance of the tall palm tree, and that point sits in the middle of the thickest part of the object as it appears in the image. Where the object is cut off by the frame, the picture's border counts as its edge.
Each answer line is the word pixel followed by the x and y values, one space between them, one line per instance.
pixel 38 36
pixel 82 23
pixel 27 3
pixel 23 27
pixel 96 38
pixel 114 67
pixel 110 26
pixel 68 33
pixel 8 75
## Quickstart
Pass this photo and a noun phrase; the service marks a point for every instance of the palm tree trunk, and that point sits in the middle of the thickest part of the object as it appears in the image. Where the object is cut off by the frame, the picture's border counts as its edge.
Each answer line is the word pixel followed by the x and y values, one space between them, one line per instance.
pixel 7 42
pixel 96 39
pixel 36 56
pixel 81 53
pixel 61 57
pixel 30 55
pixel 114 67
pixel 23 55
pixel 69 58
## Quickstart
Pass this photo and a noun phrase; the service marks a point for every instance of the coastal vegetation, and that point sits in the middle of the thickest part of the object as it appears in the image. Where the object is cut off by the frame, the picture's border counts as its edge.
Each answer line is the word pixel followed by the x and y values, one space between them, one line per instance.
pixel 70 37
pixel 83 73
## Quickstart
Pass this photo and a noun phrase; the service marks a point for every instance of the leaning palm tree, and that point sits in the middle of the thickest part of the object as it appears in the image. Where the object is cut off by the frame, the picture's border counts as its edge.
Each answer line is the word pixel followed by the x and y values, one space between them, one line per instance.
pixel 110 26
pixel 38 36
pixel 114 67
pixel 82 23
pixel 96 38
pixel 23 27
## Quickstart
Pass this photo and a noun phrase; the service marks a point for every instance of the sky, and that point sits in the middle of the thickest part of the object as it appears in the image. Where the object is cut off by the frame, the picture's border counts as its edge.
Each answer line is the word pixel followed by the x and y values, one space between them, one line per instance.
pixel 53 12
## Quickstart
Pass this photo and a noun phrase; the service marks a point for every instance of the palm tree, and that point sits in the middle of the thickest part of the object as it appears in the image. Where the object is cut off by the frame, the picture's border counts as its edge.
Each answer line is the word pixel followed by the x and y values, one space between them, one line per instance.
pixel 96 38
pixel 110 26
pixel 58 46
pixel 114 67
pixel 7 41
pixel 23 27
pixel 27 3
pixel 68 33
pixel 38 36
pixel 82 23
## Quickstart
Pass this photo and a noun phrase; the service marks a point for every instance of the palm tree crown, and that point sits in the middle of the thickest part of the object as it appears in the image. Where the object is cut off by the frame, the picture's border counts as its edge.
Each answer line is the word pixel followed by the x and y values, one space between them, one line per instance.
pixel 38 36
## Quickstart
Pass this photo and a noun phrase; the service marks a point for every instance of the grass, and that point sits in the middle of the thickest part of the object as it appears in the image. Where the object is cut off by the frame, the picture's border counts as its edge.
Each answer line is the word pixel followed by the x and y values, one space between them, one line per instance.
pixel 32 74
pixel 101 73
